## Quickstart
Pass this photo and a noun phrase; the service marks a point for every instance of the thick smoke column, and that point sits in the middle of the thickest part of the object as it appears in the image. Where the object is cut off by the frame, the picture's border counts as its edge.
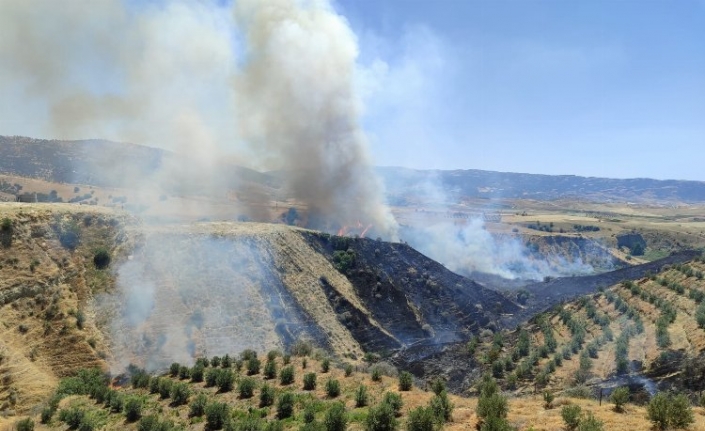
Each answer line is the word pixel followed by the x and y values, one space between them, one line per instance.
pixel 299 104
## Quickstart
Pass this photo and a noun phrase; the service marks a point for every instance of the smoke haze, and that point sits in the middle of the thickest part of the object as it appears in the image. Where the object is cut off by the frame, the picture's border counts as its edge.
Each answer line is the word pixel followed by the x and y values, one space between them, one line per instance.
pixel 269 85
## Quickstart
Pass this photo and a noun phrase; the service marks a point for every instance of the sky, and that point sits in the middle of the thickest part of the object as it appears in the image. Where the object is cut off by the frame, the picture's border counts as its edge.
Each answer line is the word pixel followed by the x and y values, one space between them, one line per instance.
pixel 609 88
pixel 612 88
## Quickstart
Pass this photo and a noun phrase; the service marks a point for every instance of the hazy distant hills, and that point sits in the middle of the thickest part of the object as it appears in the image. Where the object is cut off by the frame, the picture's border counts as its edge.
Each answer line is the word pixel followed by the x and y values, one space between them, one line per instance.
pixel 110 164
pixel 404 186
pixel 98 162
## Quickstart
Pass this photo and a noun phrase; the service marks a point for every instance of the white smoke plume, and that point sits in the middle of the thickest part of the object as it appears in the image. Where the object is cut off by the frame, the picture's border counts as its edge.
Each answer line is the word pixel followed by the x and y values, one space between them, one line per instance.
pixel 177 75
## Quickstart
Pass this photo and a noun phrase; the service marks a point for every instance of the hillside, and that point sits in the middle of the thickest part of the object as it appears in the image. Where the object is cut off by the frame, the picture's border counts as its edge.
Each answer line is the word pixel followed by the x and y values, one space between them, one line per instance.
pixel 174 292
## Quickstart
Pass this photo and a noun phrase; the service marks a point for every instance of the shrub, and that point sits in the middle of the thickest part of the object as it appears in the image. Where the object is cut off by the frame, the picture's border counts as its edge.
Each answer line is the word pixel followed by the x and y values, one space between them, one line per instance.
pixel 325 365
pixel 405 381
pixel 226 362
pixel 286 375
pixel 421 419
pixel 590 423
pixel 336 418
pixel 212 377
pixel 438 386
pixel 217 415
pixel 179 393
pixel 361 396
pixel 133 408
pixel 310 381
pixel 215 361
pixel 249 423
pixel 394 401
pixel 184 372
pixel 571 416
pixel 197 373
pixel 253 365
pixel 198 405
pixel 246 387
pixel 548 400
pixel 620 397
pixel 140 379
pixel 286 359
pixel 301 348
pixel 309 414
pixel 165 388
pixel 117 402
pixel 26 424
pixel 376 374
pixel 101 258
pixel 72 417
pixel 332 388
pixel 381 418
pixel 225 380
pixel 442 407
pixel 154 385
pixel 285 405
pixel 270 370
pixel 248 354
pixel 680 412
pixel 348 370
pixel 174 369
pixel 491 405
pixel 47 414
pixel 266 396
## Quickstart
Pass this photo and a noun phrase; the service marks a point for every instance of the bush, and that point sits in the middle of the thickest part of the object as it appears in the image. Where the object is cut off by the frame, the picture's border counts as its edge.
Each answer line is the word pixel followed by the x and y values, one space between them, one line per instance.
pixel 405 381
pixel 117 402
pixel 309 381
pixel 174 369
pixel 421 419
pixel 270 370
pixel 325 365
pixel 394 401
pixel 198 405
pixel 165 388
pixel 442 407
pixel 226 362
pixel 381 418
pixel 491 406
pixel 197 373
pixel 246 387
pixel 26 424
pixel 180 393
pixel 225 380
pixel 133 408
pixel 101 258
pixel 309 414
pixel 376 374
pixel 286 375
pixel 438 386
pixel 548 400
pixel 332 388
pixel 348 370
pixel 217 415
pixel 47 414
pixel 336 418
pixel 253 365
pixel 184 372
pixel 666 410
pixel 140 379
pixel 72 417
pixel 571 416
pixel 361 396
pixel 266 396
pixel 590 423
pixel 285 405
pixel 212 377
pixel 620 397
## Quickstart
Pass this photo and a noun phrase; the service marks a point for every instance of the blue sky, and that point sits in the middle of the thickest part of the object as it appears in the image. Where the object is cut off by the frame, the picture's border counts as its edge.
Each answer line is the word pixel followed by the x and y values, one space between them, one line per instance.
pixel 598 88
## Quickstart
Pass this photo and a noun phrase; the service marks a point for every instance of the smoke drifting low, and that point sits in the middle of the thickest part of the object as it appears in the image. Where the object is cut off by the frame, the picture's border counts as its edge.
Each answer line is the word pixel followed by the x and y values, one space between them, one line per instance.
pixel 267 84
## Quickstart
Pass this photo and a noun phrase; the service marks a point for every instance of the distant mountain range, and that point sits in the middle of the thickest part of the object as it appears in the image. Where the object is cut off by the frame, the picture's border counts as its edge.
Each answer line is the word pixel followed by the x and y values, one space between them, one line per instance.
pixel 94 162
pixel 404 186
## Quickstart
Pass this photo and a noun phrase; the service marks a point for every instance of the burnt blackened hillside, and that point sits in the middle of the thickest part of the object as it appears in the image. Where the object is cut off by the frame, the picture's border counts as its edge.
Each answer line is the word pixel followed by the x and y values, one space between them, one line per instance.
pixel 415 299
